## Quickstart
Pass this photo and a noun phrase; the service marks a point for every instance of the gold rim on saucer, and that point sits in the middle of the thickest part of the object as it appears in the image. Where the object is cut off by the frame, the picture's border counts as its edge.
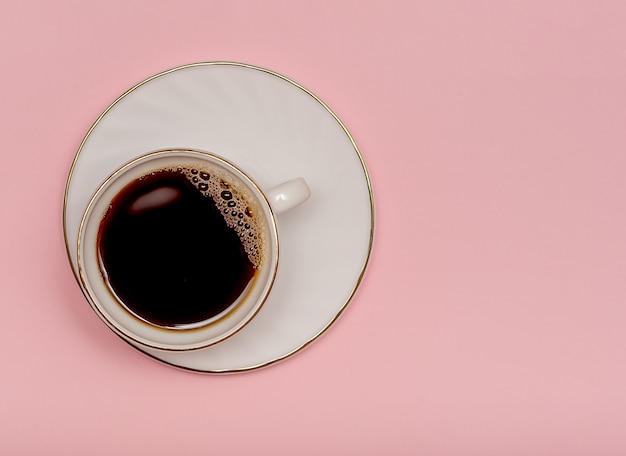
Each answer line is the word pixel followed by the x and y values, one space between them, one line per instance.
pixel 368 253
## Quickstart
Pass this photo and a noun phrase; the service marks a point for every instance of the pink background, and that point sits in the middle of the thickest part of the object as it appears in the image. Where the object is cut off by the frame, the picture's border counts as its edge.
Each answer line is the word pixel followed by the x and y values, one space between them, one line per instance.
pixel 492 317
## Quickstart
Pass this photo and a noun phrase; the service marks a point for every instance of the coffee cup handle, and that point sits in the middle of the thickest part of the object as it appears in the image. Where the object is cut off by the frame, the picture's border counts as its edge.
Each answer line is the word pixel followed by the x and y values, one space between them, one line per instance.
pixel 288 195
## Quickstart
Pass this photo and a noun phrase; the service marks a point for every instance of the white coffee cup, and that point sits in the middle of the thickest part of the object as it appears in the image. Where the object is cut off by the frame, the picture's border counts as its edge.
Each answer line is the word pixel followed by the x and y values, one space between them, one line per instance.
pixel 129 324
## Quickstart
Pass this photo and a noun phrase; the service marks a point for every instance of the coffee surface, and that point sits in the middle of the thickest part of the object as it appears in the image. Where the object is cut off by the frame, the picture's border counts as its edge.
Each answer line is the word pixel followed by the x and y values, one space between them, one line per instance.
pixel 178 246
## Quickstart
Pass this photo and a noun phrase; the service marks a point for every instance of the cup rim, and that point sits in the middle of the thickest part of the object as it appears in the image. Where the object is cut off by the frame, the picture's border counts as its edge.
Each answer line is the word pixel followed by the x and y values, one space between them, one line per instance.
pixel 273 249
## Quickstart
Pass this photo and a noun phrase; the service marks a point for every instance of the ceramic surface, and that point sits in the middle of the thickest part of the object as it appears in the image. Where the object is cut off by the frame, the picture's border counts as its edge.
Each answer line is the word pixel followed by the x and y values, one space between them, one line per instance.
pixel 273 129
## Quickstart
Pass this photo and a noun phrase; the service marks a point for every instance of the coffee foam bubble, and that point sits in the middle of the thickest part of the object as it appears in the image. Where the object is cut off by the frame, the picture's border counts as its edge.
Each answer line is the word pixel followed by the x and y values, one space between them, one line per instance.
pixel 239 208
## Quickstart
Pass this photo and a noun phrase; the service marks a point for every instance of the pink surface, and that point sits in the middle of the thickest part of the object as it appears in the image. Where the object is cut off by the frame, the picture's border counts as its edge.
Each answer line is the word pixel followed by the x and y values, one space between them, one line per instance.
pixel 492 318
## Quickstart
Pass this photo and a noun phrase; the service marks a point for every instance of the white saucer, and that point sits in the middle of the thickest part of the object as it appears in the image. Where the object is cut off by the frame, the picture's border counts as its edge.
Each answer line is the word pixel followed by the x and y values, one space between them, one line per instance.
pixel 274 129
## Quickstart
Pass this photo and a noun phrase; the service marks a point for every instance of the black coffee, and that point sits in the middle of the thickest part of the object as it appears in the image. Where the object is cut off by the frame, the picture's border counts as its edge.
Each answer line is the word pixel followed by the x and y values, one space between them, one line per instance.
pixel 178 246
